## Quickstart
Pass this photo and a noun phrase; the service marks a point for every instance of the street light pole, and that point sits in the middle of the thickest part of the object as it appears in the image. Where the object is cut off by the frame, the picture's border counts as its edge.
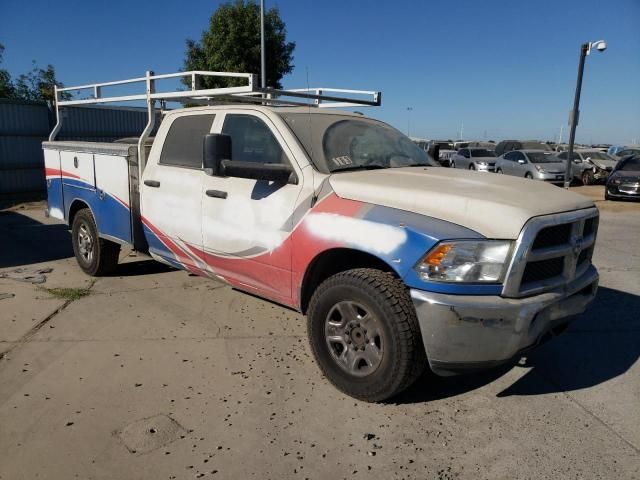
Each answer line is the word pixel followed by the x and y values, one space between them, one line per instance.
pixel 263 71
pixel 585 49
pixel 575 113
pixel 409 110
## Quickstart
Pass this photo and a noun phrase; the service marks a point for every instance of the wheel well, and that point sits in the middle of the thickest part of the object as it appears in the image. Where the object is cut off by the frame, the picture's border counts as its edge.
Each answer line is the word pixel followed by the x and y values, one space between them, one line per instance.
pixel 334 261
pixel 75 207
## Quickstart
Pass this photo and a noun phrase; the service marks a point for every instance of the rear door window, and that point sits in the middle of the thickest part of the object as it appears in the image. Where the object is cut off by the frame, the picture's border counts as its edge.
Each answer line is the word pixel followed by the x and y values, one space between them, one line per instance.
pixel 183 145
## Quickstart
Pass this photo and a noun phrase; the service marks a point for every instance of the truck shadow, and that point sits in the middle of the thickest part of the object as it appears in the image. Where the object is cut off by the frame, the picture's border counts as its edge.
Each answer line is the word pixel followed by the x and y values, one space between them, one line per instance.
pixel 600 345
pixel 24 241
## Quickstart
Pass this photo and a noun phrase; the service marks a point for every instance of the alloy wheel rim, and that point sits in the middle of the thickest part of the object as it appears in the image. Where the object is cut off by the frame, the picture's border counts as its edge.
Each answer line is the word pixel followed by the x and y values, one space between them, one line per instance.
pixel 354 338
pixel 85 243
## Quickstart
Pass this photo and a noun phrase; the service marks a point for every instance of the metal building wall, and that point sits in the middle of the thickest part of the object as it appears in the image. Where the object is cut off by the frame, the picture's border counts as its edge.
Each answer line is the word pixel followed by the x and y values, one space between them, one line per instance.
pixel 25 125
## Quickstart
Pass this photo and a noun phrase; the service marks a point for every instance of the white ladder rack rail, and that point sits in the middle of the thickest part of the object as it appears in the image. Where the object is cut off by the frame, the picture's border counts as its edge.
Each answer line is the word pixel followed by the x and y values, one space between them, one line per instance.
pixel 250 92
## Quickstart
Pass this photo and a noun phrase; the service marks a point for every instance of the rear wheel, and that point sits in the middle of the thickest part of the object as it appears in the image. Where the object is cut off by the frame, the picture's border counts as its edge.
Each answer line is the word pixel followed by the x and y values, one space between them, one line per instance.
pixel 96 256
pixel 453 164
pixel 364 334
pixel 587 177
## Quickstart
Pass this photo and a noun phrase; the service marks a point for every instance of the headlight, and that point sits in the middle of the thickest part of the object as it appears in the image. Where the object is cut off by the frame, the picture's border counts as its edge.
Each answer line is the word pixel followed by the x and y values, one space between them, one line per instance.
pixel 539 168
pixel 469 261
pixel 615 180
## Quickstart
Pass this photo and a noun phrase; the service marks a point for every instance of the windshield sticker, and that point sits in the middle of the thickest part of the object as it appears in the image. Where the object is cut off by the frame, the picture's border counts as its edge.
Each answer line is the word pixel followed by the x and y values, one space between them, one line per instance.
pixel 342 161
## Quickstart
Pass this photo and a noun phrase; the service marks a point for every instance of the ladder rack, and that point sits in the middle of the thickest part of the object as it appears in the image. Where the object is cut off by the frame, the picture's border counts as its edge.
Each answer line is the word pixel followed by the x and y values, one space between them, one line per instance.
pixel 249 93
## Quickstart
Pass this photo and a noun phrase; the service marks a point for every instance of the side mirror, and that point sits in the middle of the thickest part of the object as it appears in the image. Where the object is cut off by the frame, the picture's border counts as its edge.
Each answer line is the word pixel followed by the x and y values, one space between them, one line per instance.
pixel 578 161
pixel 521 161
pixel 272 172
pixel 216 147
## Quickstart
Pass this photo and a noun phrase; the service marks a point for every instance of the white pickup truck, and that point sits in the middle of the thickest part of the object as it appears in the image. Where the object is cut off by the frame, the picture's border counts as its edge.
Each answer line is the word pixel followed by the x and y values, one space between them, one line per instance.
pixel 398 264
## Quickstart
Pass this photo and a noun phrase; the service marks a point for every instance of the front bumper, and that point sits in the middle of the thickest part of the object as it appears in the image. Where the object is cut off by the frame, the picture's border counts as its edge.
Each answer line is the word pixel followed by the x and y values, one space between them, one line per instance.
pixel 630 191
pixel 463 333
pixel 550 177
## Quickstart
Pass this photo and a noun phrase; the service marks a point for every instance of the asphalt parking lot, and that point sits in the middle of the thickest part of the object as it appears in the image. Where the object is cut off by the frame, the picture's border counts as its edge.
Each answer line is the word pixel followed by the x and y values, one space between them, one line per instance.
pixel 156 374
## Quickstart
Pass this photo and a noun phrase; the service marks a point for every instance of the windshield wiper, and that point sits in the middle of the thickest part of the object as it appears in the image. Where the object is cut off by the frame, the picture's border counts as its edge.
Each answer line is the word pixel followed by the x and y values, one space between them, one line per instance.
pixel 358 167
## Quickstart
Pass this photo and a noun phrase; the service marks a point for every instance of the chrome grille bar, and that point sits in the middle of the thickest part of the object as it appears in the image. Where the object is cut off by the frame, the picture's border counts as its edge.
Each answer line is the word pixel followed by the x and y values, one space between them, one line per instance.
pixel 569 251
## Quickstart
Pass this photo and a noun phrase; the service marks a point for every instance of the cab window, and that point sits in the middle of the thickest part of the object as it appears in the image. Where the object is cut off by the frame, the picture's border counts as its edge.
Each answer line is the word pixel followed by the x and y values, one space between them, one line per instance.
pixel 252 140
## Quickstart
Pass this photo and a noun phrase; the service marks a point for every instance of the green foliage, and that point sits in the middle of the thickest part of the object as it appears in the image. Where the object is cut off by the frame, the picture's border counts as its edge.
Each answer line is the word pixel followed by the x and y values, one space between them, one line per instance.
pixel 6 86
pixel 70 294
pixel 36 85
pixel 232 44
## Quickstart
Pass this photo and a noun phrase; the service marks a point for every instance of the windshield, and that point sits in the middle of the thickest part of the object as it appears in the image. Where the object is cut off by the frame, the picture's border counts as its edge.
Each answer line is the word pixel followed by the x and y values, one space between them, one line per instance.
pixel 482 152
pixel 444 145
pixel 337 142
pixel 542 157
pixel 631 165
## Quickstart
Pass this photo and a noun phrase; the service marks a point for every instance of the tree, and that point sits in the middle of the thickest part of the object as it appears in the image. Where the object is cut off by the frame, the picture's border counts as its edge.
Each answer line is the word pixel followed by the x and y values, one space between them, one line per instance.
pixel 232 44
pixel 38 85
pixel 6 85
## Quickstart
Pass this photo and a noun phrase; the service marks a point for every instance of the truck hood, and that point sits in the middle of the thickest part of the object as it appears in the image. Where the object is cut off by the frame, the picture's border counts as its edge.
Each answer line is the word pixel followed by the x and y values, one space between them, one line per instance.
pixel 496 206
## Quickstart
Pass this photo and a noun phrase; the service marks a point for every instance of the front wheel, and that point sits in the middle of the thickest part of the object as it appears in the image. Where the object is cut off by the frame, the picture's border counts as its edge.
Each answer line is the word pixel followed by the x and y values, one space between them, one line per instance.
pixel 452 164
pixel 528 175
pixel 96 256
pixel 472 167
pixel 364 334
pixel 499 171
pixel 587 177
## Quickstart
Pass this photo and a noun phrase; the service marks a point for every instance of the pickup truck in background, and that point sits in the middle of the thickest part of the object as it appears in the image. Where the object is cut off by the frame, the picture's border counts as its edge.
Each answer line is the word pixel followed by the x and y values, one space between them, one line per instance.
pixel 397 263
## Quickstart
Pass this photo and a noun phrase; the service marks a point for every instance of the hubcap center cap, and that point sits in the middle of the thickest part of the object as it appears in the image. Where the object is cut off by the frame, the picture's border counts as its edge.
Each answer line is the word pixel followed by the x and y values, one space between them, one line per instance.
pixel 357 336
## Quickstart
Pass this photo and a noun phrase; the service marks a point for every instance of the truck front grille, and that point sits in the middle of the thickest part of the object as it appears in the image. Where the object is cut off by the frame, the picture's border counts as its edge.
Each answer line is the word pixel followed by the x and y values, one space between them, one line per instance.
pixel 552 250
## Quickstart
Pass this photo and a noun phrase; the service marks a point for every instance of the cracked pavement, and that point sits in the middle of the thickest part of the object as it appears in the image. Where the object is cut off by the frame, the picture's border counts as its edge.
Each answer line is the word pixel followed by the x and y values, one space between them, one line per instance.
pixel 157 374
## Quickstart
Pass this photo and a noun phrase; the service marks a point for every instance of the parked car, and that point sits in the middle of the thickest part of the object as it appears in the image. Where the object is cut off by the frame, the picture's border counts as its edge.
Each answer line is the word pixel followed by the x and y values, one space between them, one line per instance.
pixel 590 166
pixel 508 145
pixel 446 151
pixel 628 151
pixel 534 164
pixel 396 262
pixel 614 149
pixel 479 159
pixel 624 181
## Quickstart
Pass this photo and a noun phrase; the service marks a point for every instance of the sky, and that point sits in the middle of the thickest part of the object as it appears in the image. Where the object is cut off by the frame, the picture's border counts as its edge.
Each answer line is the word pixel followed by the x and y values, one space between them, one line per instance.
pixel 493 69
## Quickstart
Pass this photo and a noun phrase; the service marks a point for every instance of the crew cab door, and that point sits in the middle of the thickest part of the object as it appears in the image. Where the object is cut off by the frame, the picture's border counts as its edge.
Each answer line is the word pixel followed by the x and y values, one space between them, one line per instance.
pixel 171 190
pixel 246 223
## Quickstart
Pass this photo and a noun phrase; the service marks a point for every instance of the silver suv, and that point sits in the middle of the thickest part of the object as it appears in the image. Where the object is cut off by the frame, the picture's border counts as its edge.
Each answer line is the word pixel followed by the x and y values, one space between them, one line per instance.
pixel 534 164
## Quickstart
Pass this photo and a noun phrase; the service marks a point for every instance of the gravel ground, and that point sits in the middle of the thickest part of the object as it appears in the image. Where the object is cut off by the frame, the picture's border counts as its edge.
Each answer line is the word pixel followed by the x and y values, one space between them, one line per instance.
pixel 156 374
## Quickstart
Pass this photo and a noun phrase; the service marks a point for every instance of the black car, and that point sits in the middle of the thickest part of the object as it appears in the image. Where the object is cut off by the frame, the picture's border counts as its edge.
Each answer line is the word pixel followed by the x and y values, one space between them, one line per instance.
pixel 509 145
pixel 624 180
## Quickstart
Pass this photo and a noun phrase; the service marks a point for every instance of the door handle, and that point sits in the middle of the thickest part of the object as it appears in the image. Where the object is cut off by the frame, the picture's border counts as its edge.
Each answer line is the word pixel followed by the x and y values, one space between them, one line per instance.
pixel 152 183
pixel 216 194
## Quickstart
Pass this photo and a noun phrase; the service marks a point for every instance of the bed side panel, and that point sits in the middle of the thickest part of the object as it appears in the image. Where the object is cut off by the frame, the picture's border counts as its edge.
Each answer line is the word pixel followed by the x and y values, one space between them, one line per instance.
pixel 55 200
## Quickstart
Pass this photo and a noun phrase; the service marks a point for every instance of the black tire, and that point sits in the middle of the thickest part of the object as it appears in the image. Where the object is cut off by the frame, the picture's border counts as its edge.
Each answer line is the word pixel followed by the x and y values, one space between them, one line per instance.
pixel 499 171
pixel 472 167
pixel 452 164
pixel 402 357
pixel 96 256
pixel 528 175
pixel 587 177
